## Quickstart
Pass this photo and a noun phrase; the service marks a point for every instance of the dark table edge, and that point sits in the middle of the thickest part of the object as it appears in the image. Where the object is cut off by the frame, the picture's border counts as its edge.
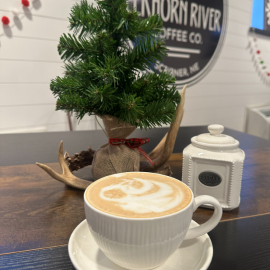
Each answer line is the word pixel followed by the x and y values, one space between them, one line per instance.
pixel 29 148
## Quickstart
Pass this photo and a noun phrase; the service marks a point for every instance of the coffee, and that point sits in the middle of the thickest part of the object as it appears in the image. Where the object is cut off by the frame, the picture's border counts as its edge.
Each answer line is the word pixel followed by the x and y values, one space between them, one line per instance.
pixel 138 195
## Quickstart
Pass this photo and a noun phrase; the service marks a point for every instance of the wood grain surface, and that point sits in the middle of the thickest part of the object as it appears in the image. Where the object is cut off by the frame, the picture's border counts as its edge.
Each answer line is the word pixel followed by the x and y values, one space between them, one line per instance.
pixel 37 211
pixel 238 245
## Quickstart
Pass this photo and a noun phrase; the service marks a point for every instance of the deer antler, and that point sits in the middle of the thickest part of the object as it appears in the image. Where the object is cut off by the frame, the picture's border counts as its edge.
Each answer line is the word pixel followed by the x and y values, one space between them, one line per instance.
pixel 163 150
pixel 66 177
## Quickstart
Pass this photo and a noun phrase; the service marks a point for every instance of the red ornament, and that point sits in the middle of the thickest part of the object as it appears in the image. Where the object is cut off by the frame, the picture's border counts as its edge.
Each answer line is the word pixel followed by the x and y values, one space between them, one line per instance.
pixel 25 3
pixel 5 20
pixel 258 52
pixel 268 74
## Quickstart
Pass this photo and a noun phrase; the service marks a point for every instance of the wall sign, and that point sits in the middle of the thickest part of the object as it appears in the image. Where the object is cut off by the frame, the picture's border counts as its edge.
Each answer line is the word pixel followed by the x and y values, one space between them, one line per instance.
pixel 194 31
pixel 209 179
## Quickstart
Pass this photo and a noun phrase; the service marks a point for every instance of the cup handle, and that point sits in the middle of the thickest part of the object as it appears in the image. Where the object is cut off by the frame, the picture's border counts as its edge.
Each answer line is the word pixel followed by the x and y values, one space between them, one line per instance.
pixel 211 223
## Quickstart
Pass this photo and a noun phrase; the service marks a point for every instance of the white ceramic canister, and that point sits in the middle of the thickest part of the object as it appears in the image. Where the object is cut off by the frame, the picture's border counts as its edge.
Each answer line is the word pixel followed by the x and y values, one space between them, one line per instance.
pixel 213 165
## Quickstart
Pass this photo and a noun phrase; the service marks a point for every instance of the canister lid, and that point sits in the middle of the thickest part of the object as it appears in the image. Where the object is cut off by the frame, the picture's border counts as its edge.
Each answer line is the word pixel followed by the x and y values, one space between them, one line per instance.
pixel 215 139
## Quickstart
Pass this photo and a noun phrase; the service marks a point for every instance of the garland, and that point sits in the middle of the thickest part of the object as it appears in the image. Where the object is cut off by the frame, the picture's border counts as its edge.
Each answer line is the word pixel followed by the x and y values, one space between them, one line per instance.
pixel 261 67
pixel 5 19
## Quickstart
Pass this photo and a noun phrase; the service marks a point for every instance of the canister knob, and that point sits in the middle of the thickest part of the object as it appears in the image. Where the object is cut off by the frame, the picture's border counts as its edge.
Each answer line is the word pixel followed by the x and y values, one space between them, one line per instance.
pixel 215 130
pixel 215 139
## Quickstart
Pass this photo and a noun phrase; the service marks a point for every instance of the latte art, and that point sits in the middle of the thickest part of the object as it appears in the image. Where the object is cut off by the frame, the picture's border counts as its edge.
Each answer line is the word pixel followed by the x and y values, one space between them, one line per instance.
pixel 142 196
pixel 138 195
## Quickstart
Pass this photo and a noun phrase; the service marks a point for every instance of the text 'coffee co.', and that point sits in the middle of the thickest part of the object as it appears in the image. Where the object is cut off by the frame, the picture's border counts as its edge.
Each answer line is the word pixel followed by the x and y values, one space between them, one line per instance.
pixel 194 33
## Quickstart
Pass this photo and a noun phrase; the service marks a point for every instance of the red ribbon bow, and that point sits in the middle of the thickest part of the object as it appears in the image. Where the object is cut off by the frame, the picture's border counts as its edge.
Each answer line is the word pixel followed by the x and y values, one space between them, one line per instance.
pixel 132 143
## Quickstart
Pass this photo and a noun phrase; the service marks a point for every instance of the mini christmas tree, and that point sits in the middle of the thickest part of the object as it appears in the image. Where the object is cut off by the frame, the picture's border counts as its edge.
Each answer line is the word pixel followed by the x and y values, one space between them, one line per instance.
pixel 107 64
pixel 106 76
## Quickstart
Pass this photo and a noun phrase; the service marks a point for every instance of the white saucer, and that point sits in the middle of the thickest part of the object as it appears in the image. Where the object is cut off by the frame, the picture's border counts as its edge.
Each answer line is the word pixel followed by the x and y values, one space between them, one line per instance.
pixel 195 254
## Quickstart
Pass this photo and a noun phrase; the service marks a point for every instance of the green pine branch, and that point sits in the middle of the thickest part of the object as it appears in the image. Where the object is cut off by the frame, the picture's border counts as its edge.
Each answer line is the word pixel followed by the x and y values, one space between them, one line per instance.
pixel 157 113
pixel 151 26
pixel 145 54
pixel 131 108
pixel 66 85
pixel 85 19
pixel 152 86
pixel 72 48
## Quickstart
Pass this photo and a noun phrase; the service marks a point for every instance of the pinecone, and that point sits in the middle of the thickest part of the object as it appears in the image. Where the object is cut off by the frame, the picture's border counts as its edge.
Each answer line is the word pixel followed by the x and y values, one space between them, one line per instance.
pixel 81 160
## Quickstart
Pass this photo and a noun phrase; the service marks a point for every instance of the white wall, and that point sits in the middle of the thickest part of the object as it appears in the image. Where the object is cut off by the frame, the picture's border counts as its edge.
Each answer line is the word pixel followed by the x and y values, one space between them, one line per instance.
pixel 29 60
pixel 233 83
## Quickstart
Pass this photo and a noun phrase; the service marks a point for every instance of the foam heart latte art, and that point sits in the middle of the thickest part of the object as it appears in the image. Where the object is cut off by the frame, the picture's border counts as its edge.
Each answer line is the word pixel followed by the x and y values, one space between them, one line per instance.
pixel 138 195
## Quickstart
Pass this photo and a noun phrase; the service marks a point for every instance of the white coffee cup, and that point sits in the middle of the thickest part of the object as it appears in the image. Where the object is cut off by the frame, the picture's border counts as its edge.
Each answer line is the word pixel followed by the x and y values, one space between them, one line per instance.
pixel 146 243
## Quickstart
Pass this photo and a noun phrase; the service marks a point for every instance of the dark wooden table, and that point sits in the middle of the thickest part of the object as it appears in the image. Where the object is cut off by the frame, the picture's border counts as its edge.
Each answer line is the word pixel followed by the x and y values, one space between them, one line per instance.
pixel 38 213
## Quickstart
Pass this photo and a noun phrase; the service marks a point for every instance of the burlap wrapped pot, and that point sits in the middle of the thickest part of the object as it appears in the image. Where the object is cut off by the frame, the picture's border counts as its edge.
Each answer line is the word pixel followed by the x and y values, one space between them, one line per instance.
pixel 110 159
